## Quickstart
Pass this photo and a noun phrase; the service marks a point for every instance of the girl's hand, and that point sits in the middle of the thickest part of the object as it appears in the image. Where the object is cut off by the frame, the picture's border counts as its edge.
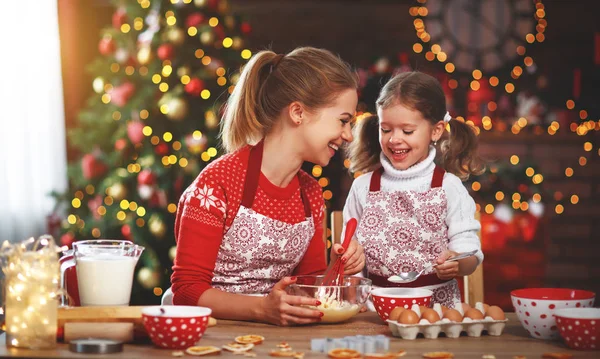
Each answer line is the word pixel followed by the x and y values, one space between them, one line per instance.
pixel 448 270
pixel 353 258
pixel 280 308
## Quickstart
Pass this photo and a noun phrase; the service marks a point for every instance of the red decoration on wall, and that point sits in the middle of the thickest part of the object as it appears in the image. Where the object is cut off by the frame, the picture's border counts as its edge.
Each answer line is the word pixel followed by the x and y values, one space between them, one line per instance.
pixel 576 83
pixel 597 48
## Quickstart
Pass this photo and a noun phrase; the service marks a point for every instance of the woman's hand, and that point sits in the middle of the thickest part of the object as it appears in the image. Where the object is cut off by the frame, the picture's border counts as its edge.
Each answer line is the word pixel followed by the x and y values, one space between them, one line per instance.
pixel 280 308
pixel 447 270
pixel 353 258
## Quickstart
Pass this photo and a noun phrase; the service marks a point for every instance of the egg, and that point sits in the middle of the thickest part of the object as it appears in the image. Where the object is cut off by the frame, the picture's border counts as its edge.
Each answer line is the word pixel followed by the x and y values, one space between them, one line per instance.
pixel 465 307
pixel 423 308
pixel 444 309
pixel 408 317
pixel 453 315
pixel 430 314
pixel 485 307
pixel 474 314
pixel 395 313
pixel 495 312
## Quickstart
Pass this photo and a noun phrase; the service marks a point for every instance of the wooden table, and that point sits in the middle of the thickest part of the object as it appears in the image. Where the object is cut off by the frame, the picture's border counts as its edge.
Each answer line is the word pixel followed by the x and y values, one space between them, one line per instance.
pixel 513 341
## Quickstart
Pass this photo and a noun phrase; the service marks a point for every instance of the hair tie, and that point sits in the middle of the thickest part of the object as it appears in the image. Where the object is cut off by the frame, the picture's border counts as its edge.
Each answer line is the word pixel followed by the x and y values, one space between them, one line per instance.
pixel 447 117
pixel 276 60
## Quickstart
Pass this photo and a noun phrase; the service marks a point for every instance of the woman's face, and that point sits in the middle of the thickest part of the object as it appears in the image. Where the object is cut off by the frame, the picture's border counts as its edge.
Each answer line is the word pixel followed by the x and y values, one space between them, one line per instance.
pixel 327 128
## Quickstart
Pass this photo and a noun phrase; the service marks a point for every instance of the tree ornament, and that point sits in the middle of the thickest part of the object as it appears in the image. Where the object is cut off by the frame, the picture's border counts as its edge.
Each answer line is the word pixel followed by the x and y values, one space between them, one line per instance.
pixel 177 109
pixel 148 278
pixel 162 149
pixel 146 177
pixel 165 52
pixel 195 145
pixel 194 87
pixel 117 191
pixel 183 70
pixel 121 55
pixel 176 36
pixel 121 94
pixel 98 84
pixel 245 28
pixel 135 132
pixel 157 226
pixel 67 239
pixel 126 231
pixel 207 37
pixel 237 43
pixel 194 19
pixel 172 252
pixel 229 22
pixel 107 46
pixel 92 167
pixel 120 144
pixel 145 191
pixel 200 3
pixel 119 18
pixel 223 6
pixel 210 120
pixel 144 55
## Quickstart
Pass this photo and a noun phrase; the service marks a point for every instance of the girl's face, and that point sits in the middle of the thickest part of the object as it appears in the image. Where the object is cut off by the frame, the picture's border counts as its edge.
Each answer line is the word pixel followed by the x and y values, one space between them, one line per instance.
pixel 405 135
pixel 326 129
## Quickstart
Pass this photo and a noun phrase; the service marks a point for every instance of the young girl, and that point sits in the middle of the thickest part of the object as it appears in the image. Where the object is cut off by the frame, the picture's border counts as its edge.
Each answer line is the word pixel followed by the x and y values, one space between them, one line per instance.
pixel 412 212
pixel 252 218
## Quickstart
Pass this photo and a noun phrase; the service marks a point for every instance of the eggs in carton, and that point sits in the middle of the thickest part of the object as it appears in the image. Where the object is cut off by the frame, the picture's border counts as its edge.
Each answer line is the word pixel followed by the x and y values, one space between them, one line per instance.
pixel 408 323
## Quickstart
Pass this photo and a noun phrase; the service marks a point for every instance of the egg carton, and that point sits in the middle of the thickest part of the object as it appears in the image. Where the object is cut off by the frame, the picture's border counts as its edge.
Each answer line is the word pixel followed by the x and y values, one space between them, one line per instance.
pixel 473 328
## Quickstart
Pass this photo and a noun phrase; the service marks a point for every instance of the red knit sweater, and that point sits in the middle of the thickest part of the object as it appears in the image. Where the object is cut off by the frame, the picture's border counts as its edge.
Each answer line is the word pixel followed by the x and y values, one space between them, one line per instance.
pixel 206 211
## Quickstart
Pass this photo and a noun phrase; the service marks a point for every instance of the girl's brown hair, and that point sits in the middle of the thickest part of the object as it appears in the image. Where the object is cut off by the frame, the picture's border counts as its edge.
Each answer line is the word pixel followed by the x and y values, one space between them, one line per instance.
pixel 269 82
pixel 418 91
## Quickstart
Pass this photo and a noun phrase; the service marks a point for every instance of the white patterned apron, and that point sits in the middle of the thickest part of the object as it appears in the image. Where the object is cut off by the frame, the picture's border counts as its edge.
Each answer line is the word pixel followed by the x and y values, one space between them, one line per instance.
pixel 257 251
pixel 403 231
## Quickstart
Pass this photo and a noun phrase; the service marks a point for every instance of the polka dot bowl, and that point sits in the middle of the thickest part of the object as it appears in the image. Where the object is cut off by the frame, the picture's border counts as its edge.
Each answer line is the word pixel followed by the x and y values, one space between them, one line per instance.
pixel 579 327
pixel 535 308
pixel 386 299
pixel 174 326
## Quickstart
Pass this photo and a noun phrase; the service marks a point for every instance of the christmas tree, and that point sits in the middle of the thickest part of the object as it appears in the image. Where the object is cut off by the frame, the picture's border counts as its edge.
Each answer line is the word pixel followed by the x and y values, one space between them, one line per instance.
pixel 165 69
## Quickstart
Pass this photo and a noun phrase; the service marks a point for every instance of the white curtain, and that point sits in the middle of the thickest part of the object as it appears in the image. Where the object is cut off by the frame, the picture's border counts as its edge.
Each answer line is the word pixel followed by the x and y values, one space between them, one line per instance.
pixel 32 126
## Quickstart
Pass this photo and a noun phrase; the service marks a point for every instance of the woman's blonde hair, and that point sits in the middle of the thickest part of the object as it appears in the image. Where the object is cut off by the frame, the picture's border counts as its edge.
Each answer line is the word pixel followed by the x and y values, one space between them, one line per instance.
pixel 417 91
pixel 269 82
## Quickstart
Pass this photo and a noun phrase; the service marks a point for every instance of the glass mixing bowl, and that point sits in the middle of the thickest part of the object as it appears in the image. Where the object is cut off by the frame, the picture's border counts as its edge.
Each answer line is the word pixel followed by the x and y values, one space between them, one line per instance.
pixel 338 303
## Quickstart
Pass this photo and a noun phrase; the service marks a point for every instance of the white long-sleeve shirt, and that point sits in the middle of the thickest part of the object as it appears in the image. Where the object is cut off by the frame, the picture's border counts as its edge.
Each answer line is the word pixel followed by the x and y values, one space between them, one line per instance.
pixel 463 228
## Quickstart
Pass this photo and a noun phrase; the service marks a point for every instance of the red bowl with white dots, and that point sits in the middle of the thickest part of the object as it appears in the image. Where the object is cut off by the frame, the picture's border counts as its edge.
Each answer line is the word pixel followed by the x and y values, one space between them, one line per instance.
pixel 386 299
pixel 175 326
pixel 579 327
pixel 535 308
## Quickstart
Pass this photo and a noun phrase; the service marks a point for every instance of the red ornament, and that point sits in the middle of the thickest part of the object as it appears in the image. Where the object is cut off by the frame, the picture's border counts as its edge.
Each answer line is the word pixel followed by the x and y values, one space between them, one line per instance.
pixel 107 46
pixel 146 177
pixel 161 149
pixel 92 167
pixel 119 18
pixel 135 132
pixel 165 51
pixel 120 144
pixel 194 87
pixel 246 28
pixel 94 204
pixel 194 19
pixel 126 232
pixel 121 94
pixel 67 239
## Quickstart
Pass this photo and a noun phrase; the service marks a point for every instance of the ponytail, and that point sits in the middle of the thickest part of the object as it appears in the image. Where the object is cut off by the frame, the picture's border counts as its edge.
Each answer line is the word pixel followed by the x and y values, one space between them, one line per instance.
pixel 243 121
pixel 364 151
pixel 459 151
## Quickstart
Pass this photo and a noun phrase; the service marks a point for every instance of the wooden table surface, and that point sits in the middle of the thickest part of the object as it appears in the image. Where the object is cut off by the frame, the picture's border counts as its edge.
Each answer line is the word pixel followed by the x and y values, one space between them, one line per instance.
pixel 514 341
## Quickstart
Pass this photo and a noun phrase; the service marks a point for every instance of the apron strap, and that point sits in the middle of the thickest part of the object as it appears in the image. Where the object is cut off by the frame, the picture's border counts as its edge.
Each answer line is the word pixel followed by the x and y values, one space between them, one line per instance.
pixel 438 177
pixel 253 174
pixel 375 185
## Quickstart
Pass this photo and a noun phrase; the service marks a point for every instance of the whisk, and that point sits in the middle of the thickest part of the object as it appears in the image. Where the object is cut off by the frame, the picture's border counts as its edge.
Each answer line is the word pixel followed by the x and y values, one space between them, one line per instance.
pixel 334 275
